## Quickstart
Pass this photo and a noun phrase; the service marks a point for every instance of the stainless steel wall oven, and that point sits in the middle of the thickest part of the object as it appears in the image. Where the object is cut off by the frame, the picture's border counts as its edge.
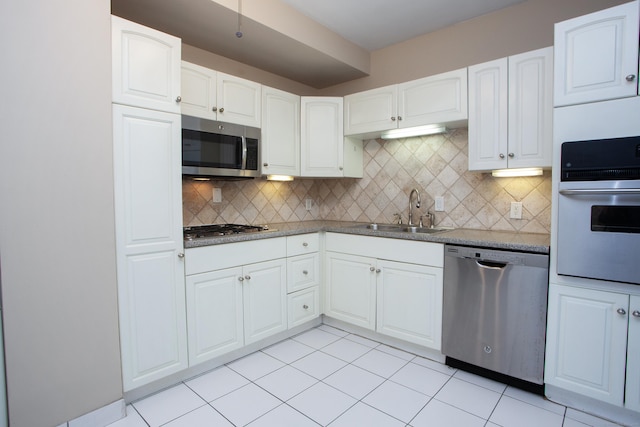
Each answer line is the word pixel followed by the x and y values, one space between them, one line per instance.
pixel 599 210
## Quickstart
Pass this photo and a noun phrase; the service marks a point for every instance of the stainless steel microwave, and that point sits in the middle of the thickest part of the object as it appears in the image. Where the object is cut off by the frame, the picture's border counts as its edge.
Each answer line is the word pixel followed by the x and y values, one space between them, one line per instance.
pixel 217 149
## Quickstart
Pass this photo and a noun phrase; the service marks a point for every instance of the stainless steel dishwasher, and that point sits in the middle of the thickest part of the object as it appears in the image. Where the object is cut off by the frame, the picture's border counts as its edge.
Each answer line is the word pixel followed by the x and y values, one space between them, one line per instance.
pixel 494 314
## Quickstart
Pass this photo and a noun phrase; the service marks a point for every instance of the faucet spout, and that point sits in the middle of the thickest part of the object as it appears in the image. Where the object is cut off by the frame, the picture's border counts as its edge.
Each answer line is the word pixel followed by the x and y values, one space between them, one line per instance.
pixel 411 206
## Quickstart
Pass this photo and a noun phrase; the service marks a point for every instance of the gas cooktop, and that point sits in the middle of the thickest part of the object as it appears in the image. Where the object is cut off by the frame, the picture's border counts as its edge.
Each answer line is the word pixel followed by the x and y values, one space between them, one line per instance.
pixel 214 230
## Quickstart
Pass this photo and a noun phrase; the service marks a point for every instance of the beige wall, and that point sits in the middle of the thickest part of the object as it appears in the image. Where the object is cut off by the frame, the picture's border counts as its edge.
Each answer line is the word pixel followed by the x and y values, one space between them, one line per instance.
pixel 56 211
pixel 519 28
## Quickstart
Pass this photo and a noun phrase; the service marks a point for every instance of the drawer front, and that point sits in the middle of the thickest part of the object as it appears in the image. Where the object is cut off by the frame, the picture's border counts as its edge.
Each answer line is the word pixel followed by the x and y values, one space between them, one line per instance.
pixel 216 257
pixel 303 271
pixel 303 244
pixel 304 306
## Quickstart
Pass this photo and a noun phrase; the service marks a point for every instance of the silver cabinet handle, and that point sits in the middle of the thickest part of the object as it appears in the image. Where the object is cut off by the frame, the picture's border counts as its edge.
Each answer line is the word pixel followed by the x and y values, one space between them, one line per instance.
pixel 631 77
pixel 306 307
pixel 621 311
pixel 222 110
pixel 635 313
pixel 240 279
pixel 180 255
pixel 378 270
pixel 393 119
pixel 266 165
pixel 179 99
pixel 399 118
pixel 340 168
pixel 305 272
pixel 501 156
pixel 214 109
pixel 305 244
pixel 372 268
pixel 511 155
pixel 247 277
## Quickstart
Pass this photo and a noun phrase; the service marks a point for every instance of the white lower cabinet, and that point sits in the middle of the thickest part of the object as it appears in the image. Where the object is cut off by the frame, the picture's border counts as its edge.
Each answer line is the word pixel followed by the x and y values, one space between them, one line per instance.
pixel 394 289
pixel 229 306
pixel 410 302
pixel 214 316
pixel 303 278
pixel 593 339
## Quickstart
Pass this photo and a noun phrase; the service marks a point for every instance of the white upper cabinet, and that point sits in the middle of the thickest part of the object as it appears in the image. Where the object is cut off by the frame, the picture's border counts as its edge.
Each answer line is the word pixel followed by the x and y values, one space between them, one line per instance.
pixel 239 100
pixel 597 56
pixel 436 99
pixel 280 132
pixel 217 96
pixel 511 112
pixel 198 91
pixel 324 151
pixel 145 67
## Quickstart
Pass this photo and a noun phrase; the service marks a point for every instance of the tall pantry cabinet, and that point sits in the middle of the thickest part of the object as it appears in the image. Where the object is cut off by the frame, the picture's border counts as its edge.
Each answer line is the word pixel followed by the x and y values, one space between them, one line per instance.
pixel 148 191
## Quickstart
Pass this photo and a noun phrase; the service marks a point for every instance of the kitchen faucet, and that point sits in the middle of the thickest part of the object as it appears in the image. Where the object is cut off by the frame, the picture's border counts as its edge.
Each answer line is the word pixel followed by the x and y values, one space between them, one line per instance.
pixel 411 207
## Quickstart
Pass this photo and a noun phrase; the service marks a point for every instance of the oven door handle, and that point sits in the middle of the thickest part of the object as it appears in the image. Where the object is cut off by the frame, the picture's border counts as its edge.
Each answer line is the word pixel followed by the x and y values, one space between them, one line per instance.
pixel 582 192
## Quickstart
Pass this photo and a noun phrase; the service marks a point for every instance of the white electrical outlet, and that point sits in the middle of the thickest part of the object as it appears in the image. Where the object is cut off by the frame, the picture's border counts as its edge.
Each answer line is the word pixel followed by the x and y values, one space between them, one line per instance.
pixel 439 204
pixel 516 210
pixel 217 195
pixel 308 203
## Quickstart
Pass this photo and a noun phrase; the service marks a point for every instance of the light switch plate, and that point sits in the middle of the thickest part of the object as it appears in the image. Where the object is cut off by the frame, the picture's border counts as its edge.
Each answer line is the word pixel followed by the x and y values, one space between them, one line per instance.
pixel 439 204
pixel 516 210
pixel 217 195
pixel 308 203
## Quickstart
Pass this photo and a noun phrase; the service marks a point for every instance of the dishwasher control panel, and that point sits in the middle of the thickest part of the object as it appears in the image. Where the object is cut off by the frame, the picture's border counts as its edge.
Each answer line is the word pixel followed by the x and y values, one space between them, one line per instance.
pixel 486 255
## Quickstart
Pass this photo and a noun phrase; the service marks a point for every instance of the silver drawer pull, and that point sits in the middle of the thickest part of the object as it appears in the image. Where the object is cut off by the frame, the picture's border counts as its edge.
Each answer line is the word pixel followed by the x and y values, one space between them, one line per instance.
pixel 305 244
pixel 305 272
pixel 306 307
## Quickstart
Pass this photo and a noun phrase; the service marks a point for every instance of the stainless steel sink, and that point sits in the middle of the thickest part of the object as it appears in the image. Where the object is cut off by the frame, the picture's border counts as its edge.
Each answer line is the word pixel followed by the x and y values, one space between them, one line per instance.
pixel 401 228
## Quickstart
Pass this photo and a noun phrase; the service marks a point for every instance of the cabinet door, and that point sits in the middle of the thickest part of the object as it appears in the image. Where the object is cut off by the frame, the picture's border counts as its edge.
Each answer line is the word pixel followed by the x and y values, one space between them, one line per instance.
pixel 587 342
pixel 148 217
pixel 488 114
pixel 373 110
pixel 239 100
pixel 632 395
pixel 410 303
pixel 322 141
pixel 198 86
pixel 531 109
pixel 597 56
pixel 434 99
pixel 280 132
pixel 145 66
pixel 351 289
pixel 214 314
pixel 265 299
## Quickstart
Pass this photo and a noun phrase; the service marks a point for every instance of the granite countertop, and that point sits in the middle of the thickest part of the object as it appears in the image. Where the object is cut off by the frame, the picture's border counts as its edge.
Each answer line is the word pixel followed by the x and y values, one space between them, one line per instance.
pixel 526 242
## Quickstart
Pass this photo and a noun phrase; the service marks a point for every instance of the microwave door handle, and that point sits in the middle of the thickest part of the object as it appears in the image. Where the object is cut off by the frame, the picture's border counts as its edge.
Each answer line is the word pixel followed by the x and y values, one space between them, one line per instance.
pixel 582 192
pixel 244 153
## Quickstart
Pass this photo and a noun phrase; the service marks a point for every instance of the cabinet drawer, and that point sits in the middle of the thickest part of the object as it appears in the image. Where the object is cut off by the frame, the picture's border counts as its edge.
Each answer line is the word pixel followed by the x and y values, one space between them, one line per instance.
pixel 216 257
pixel 303 271
pixel 302 244
pixel 304 306
pixel 409 251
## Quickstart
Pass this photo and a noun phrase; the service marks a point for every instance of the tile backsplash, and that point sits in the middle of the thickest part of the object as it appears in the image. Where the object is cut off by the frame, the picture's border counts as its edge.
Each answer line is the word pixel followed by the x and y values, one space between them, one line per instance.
pixel 435 165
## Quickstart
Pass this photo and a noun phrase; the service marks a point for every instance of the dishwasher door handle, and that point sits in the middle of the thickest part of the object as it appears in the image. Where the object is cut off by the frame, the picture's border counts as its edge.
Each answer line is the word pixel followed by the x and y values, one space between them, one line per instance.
pixel 491 265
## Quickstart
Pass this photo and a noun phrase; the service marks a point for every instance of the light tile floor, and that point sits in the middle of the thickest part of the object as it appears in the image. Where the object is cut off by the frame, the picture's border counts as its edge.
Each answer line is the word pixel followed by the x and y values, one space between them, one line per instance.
pixel 328 377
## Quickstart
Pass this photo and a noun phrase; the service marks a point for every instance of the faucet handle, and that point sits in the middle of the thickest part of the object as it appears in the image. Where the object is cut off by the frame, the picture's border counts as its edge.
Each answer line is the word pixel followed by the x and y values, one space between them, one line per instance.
pixel 397 218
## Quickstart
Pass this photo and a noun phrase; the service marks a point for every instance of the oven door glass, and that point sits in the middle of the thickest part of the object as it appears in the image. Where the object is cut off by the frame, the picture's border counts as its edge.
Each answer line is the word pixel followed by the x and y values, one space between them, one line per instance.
pixel 599 231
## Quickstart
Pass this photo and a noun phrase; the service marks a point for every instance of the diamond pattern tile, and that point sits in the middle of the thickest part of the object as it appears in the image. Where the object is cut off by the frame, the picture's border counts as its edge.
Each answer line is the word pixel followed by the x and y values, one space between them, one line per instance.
pixel 436 165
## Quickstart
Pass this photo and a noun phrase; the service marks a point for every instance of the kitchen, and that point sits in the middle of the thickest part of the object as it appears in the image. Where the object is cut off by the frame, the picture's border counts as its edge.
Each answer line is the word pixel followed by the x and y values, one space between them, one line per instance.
pixel 94 301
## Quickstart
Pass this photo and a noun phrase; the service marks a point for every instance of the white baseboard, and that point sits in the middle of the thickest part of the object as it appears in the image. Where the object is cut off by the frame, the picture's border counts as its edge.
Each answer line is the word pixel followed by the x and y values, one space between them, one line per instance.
pixel 101 417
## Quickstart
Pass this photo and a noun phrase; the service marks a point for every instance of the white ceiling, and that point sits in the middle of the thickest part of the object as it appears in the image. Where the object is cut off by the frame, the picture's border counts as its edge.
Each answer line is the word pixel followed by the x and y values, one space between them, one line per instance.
pixel 370 24
pixel 375 24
